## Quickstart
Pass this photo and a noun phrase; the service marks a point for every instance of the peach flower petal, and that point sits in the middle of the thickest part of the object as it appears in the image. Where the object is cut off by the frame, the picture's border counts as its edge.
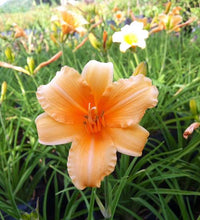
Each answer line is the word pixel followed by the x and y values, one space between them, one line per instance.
pixel 125 102
pixel 90 159
pixel 51 132
pixel 130 140
pixel 176 20
pixel 190 129
pixel 99 76
pixel 66 97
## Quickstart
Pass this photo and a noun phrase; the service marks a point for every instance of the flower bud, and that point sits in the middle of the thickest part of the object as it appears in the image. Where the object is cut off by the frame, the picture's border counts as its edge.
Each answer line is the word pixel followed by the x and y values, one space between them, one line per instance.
pixel 141 69
pixel 105 37
pixel 93 40
pixel 31 64
pixel 167 7
pixel 109 42
pixel 3 91
pixel 9 54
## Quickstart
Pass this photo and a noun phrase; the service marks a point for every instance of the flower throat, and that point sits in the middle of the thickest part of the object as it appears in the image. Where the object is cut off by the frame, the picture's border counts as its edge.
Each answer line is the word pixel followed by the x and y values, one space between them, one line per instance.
pixel 94 121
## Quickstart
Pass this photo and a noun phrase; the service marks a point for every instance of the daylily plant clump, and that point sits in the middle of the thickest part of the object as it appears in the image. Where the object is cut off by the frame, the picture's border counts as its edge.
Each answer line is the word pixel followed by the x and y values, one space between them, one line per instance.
pixel 98 116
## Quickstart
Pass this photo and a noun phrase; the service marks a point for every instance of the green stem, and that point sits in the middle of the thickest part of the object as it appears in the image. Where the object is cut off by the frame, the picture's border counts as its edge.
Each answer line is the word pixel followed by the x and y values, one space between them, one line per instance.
pixel 164 54
pixel 2 123
pixel 136 58
pixel 63 53
pixel 91 208
pixel 107 199
pixel 22 89
pixel 34 81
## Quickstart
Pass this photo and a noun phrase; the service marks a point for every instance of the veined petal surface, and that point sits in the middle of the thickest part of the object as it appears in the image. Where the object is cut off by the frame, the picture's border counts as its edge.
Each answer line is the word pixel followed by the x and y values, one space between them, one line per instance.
pixel 51 132
pixel 91 158
pixel 99 76
pixel 130 140
pixel 125 102
pixel 66 97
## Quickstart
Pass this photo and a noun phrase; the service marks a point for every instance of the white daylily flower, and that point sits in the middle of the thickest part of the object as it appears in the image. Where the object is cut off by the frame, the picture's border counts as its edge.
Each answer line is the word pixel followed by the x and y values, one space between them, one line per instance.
pixel 131 36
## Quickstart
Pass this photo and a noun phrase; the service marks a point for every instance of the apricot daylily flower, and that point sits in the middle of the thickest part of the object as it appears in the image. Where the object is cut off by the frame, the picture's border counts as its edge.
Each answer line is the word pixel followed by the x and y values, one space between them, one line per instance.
pixel 131 35
pixel 19 32
pixel 98 116
pixel 70 22
pixel 170 22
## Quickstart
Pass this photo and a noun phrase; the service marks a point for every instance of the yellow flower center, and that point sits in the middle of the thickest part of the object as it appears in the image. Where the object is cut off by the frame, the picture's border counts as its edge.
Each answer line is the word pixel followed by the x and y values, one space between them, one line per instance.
pixel 94 121
pixel 131 38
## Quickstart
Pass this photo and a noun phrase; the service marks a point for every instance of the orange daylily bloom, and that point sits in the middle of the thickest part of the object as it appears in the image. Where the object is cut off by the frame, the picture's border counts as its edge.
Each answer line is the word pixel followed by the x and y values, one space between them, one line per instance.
pixel 19 32
pixel 70 22
pixel 169 21
pixel 98 116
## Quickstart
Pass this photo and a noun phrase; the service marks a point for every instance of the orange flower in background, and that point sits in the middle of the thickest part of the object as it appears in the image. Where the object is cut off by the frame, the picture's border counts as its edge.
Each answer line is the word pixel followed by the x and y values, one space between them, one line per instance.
pixel 98 116
pixel 119 17
pixel 69 21
pixel 19 32
pixel 169 21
